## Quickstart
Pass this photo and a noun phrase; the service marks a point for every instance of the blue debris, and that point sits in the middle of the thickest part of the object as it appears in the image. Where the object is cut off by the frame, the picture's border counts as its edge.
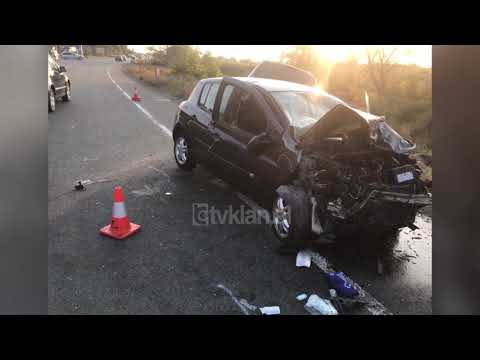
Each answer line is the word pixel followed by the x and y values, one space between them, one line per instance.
pixel 342 286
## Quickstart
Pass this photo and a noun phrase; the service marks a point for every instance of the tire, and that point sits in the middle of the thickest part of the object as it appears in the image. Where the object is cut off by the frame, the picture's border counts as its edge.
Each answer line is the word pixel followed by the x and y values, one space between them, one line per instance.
pixel 68 94
pixel 51 100
pixel 182 153
pixel 297 231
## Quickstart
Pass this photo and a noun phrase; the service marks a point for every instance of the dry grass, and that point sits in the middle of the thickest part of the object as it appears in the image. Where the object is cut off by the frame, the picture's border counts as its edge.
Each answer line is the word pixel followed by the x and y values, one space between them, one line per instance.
pixel 178 85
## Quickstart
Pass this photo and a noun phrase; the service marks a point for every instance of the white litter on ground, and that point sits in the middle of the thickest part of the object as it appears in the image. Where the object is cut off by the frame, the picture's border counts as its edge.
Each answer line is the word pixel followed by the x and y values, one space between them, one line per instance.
pixel 270 310
pixel 301 297
pixel 318 306
pixel 303 259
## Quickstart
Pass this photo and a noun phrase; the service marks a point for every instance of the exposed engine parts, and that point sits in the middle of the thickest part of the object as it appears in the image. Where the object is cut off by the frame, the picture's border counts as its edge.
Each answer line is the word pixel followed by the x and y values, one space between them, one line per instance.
pixel 341 184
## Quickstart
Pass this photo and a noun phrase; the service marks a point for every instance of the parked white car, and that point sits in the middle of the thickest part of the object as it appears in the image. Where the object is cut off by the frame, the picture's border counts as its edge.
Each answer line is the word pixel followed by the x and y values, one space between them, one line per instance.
pixel 71 55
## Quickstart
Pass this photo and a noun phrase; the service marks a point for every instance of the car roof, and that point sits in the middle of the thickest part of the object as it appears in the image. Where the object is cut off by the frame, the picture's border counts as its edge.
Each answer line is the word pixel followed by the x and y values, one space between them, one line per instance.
pixel 272 85
pixel 277 85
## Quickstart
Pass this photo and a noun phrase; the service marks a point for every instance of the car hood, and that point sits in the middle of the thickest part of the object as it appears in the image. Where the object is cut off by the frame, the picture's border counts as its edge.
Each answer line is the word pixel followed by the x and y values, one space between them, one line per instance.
pixel 343 119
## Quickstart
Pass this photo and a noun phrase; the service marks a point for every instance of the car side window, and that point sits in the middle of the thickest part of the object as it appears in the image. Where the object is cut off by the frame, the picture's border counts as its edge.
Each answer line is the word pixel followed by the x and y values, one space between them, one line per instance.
pixel 229 105
pixel 203 95
pixel 250 117
pixel 212 94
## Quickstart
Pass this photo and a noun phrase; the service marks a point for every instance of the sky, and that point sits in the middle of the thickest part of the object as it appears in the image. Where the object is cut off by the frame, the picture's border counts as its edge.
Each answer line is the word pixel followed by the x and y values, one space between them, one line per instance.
pixel 420 55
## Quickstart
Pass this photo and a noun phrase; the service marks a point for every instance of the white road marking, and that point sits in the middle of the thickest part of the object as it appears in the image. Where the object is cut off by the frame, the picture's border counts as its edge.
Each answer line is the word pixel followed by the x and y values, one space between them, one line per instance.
pixel 141 108
pixel 374 306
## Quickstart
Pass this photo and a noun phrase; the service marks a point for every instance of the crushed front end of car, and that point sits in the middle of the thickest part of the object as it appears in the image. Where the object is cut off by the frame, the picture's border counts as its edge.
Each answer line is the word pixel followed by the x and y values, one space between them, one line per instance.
pixel 357 170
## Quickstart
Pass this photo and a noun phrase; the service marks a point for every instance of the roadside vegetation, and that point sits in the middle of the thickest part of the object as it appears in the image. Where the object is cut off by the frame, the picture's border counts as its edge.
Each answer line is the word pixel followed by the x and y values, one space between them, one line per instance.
pixel 403 93
pixel 179 67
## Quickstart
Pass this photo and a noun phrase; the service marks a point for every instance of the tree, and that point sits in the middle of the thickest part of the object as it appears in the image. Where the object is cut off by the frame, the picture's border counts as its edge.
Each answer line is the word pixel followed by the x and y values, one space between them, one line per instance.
pixel 305 57
pixel 380 63
pixel 210 66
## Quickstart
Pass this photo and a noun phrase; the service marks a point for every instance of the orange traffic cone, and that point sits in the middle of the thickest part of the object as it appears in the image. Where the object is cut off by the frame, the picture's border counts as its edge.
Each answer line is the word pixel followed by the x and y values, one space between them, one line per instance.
pixel 121 227
pixel 135 96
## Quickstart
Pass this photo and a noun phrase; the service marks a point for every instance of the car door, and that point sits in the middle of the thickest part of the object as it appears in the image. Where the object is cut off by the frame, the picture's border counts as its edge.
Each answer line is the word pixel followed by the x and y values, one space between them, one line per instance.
pixel 58 79
pixel 241 114
pixel 201 120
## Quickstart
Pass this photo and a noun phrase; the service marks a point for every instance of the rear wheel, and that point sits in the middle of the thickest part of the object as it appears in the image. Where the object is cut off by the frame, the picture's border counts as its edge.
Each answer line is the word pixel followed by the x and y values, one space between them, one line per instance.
pixel 292 216
pixel 51 100
pixel 183 153
pixel 68 94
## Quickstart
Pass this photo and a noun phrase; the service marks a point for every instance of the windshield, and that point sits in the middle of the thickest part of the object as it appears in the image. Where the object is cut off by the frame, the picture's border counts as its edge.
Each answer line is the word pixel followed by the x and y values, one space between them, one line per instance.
pixel 303 109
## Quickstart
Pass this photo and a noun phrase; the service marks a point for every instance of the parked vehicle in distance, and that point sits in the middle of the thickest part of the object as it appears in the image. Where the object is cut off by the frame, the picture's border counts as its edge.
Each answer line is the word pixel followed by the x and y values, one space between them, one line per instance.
pixel 329 164
pixel 279 71
pixel 72 55
pixel 59 86
pixel 122 58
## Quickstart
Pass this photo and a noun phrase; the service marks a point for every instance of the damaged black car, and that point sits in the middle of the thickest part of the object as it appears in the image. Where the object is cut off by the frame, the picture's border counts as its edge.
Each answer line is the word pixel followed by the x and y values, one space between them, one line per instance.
pixel 330 165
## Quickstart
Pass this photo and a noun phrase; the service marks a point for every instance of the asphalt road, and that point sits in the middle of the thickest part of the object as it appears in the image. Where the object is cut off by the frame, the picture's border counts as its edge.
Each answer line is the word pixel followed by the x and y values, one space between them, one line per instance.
pixel 174 266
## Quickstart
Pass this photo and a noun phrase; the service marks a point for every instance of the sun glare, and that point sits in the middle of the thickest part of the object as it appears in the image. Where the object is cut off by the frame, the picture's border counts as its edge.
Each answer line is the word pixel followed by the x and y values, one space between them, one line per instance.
pixel 420 55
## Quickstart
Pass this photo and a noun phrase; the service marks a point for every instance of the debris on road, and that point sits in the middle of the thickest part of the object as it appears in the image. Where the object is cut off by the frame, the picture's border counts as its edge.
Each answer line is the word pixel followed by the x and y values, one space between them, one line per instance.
pixel 341 284
pixel 333 293
pixel 303 259
pixel 241 304
pixel 80 187
pixel 270 310
pixel 247 305
pixel 318 306
pixel 301 297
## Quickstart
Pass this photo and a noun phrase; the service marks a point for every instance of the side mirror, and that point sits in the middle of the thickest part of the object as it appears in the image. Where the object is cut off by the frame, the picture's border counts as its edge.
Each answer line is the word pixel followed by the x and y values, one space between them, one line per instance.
pixel 62 69
pixel 259 142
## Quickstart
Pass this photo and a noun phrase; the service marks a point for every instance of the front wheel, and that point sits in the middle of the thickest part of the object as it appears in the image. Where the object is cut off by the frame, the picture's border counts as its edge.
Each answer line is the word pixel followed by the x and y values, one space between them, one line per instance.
pixel 292 220
pixel 182 151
